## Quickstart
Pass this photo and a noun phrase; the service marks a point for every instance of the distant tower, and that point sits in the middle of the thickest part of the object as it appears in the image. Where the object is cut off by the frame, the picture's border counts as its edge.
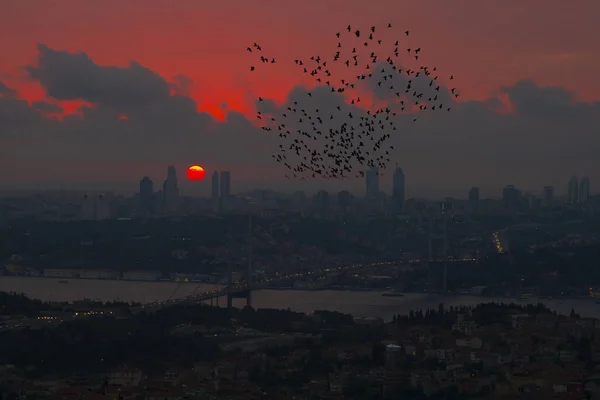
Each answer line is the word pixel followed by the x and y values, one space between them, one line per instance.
pixel 88 208
pixel 372 181
pixel 171 190
pixel 446 207
pixel 398 194
pixel 214 193
pixel 225 185
pixel 510 197
pixel 573 190
pixel 146 196
pixel 584 190
pixel 474 198
pixel 548 199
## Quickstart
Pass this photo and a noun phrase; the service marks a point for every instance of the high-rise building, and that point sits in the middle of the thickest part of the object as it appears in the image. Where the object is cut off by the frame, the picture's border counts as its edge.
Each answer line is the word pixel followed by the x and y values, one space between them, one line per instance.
pixel 584 190
pixel 146 196
pixel 510 197
pixel 171 190
pixel 548 199
pixel 398 193
pixel 474 198
pixel 214 193
pixel 372 181
pixel 225 185
pixel 573 190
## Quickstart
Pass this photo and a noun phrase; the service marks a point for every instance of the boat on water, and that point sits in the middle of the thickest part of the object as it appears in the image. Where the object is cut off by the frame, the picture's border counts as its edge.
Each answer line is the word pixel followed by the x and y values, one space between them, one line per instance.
pixel 63 281
pixel 392 294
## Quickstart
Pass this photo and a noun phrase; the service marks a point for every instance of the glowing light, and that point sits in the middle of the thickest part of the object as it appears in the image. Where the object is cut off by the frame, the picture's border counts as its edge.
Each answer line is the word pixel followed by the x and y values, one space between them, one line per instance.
pixel 195 173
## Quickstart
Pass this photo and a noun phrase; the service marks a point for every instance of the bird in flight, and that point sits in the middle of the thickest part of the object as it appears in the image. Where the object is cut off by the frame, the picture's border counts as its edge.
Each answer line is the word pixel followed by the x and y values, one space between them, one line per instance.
pixel 337 139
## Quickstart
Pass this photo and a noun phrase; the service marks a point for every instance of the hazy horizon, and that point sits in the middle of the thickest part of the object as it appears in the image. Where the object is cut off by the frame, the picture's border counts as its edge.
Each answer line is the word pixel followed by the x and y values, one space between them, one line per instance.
pixel 82 109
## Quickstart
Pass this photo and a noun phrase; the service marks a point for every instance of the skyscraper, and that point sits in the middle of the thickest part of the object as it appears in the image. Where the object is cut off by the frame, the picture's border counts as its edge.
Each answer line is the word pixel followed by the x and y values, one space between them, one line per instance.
pixel 225 185
pixel 171 190
pixel 548 200
pixel 474 198
pixel 372 181
pixel 398 194
pixel 146 196
pixel 510 197
pixel 215 186
pixel 584 190
pixel 573 190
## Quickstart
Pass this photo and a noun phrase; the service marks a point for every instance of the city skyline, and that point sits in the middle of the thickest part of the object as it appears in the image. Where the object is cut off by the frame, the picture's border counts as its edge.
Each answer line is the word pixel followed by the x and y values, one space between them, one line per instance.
pixel 395 188
pixel 527 120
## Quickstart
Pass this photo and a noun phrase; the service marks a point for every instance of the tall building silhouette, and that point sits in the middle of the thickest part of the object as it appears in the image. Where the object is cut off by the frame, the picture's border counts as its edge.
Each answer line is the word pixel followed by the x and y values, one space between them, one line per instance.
pixel 573 190
pixel 146 196
pixel 171 190
pixel 584 190
pixel 214 192
pixel 398 193
pixel 548 199
pixel 474 198
pixel 510 197
pixel 372 182
pixel 225 185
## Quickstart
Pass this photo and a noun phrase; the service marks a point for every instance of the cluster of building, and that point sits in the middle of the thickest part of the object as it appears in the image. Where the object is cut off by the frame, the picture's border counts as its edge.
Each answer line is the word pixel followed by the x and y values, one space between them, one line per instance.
pixel 169 201
pixel 533 356
pixel 578 194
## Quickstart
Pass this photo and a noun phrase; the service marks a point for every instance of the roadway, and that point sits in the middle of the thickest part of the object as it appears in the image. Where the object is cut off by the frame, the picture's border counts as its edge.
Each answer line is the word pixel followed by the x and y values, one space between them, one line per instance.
pixel 238 288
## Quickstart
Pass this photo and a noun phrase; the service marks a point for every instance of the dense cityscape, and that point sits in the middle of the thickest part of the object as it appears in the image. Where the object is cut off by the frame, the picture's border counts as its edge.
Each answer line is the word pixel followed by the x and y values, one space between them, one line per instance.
pixel 521 248
pixel 293 200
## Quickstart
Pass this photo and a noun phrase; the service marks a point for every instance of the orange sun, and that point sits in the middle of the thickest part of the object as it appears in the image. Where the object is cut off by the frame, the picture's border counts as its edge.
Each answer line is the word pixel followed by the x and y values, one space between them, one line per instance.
pixel 195 173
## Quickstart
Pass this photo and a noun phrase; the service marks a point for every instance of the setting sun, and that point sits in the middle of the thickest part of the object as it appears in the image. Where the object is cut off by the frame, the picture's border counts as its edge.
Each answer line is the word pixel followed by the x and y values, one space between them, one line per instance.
pixel 195 173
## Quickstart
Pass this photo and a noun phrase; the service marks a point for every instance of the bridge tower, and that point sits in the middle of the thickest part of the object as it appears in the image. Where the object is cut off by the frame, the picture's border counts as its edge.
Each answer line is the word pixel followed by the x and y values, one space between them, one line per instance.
pixel 229 278
pixel 446 207
pixel 248 292
pixel 249 270
pixel 431 287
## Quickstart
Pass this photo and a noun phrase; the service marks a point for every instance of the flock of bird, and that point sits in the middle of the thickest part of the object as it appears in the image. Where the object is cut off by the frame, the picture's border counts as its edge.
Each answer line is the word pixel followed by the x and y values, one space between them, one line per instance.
pixel 331 136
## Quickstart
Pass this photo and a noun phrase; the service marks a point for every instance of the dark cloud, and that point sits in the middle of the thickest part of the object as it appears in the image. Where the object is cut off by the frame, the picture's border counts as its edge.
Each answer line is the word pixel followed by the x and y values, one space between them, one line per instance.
pixel 391 84
pixel 5 90
pixel 546 102
pixel 46 107
pixel 135 116
pixel 182 85
pixel 16 116
pixel 74 76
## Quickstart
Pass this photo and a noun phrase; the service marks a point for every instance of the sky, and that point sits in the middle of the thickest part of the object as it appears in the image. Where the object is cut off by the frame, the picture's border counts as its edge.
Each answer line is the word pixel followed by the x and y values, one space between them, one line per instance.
pixel 101 93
